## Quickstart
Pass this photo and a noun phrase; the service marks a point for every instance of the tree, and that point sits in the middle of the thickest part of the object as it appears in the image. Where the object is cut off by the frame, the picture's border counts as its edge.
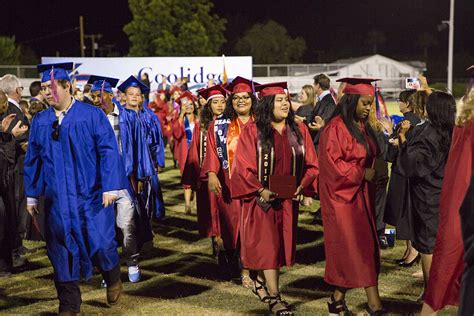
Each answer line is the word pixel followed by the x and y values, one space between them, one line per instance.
pixel 425 41
pixel 9 51
pixel 174 28
pixel 270 43
pixel 375 39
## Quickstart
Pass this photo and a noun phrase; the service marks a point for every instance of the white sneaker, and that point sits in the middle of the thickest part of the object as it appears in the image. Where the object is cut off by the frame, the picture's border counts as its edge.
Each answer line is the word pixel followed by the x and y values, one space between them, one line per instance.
pixel 134 274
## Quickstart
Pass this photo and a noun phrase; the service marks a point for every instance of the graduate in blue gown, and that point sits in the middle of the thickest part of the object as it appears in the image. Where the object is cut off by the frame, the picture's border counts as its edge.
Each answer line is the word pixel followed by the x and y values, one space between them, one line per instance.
pixel 148 149
pixel 73 161
pixel 121 121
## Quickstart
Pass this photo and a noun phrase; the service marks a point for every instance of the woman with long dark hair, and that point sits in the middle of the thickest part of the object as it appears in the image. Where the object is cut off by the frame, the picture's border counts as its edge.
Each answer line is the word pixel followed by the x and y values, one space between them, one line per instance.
pixel 223 138
pixel 422 159
pixel 347 151
pixel 208 220
pixel 275 162
pixel 183 127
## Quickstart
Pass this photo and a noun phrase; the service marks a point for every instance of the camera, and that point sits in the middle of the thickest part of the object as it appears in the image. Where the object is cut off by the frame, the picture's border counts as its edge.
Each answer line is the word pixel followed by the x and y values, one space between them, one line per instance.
pixel 412 83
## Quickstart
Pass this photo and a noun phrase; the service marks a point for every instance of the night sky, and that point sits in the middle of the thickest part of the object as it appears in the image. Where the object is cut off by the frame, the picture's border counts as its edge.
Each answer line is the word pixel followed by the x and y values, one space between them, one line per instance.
pixel 332 28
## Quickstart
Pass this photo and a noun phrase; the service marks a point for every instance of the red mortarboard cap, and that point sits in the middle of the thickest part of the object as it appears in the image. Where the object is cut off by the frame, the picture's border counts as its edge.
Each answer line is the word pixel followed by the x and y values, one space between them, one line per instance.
pixel 240 84
pixel 268 89
pixel 213 92
pixel 175 88
pixel 358 85
pixel 186 95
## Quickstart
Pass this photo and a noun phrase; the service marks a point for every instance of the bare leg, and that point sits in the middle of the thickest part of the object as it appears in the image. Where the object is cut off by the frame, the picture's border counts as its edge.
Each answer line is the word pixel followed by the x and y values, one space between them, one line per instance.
pixel 373 298
pixel 428 311
pixel 187 200
pixel 426 266
pixel 273 278
pixel 412 253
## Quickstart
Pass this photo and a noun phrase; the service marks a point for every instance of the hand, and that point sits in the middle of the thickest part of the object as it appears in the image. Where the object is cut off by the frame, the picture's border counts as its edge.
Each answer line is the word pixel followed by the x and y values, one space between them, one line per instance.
pixel 17 130
pixel 6 122
pixel 32 209
pixel 423 83
pixel 369 174
pixel 108 199
pixel 387 124
pixel 213 184
pixel 299 119
pixel 394 142
pixel 140 185
pixel 24 146
pixel 268 195
pixel 317 124
pixel 299 189
pixel 404 127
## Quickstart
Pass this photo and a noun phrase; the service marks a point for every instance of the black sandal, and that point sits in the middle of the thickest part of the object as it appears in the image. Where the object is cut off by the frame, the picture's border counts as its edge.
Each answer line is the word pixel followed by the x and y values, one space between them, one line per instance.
pixel 380 312
pixel 337 307
pixel 261 286
pixel 274 300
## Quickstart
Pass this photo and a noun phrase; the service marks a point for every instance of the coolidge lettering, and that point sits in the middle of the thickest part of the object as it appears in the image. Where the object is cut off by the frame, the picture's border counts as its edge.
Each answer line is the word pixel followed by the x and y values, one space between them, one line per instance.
pixel 194 77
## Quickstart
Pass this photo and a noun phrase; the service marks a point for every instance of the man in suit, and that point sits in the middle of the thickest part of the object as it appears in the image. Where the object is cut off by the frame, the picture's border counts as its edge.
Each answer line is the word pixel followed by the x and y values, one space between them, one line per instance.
pixel 324 108
pixel 12 87
pixel 322 111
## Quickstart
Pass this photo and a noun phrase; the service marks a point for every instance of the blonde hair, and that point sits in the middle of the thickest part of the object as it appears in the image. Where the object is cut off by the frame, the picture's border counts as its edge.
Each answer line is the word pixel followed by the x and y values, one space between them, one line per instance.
pixel 417 101
pixel 372 119
pixel 465 110
pixel 309 89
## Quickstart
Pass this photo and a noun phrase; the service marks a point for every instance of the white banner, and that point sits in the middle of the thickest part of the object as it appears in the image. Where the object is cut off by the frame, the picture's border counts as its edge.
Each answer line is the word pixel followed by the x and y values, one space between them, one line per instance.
pixel 198 70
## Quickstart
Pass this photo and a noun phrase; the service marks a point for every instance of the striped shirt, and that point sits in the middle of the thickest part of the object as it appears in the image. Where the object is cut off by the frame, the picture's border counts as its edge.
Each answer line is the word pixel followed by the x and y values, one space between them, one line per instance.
pixel 114 122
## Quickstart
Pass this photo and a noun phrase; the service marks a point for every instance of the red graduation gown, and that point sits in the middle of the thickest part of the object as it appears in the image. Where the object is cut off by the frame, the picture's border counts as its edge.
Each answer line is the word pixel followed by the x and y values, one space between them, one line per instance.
pixel 268 240
pixel 207 215
pixel 228 208
pixel 160 109
pixel 447 267
pixel 347 203
pixel 180 142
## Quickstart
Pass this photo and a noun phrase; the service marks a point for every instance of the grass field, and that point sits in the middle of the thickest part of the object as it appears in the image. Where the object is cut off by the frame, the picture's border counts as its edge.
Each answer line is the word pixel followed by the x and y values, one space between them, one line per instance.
pixel 180 276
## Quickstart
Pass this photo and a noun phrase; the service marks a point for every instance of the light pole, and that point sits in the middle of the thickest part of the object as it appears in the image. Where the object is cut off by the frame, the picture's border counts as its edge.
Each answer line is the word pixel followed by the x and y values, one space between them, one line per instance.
pixel 450 47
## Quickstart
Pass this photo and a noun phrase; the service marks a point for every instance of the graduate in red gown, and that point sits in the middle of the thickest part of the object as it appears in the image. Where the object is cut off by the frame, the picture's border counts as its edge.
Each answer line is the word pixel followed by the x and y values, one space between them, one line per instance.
pixel 275 152
pixel 159 106
pixel 173 113
pixel 208 217
pixel 347 150
pixel 448 264
pixel 223 138
pixel 182 129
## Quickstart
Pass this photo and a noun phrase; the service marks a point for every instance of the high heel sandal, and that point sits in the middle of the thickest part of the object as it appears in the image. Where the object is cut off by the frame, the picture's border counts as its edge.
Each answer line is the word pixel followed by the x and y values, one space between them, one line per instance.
pixel 379 312
pixel 337 307
pixel 274 300
pixel 411 263
pixel 404 257
pixel 261 286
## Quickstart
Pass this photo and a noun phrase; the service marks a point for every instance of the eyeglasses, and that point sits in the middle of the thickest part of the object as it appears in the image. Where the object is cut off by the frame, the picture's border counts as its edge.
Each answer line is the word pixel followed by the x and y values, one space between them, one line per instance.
pixel 238 99
pixel 56 128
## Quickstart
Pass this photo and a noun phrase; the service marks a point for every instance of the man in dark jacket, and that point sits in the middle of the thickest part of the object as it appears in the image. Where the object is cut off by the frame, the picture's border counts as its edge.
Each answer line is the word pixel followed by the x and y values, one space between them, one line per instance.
pixel 324 108
pixel 8 220
pixel 12 87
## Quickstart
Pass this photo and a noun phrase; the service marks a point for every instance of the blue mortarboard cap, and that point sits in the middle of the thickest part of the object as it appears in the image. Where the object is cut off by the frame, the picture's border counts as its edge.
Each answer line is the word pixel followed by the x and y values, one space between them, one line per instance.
pixel 98 82
pixel 61 71
pixel 133 82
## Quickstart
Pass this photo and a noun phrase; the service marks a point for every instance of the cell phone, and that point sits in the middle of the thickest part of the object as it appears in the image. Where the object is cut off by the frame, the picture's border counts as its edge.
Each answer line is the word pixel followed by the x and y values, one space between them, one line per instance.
pixel 412 83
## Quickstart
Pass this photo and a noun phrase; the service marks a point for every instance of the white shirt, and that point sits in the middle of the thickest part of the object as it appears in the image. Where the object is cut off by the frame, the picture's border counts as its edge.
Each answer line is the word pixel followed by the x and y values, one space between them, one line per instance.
pixel 322 95
pixel 14 102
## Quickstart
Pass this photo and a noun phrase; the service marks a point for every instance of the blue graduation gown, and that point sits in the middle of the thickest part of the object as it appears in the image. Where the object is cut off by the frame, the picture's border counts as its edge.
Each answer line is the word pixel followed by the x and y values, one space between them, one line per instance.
pixel 149 152
pixel 72 174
